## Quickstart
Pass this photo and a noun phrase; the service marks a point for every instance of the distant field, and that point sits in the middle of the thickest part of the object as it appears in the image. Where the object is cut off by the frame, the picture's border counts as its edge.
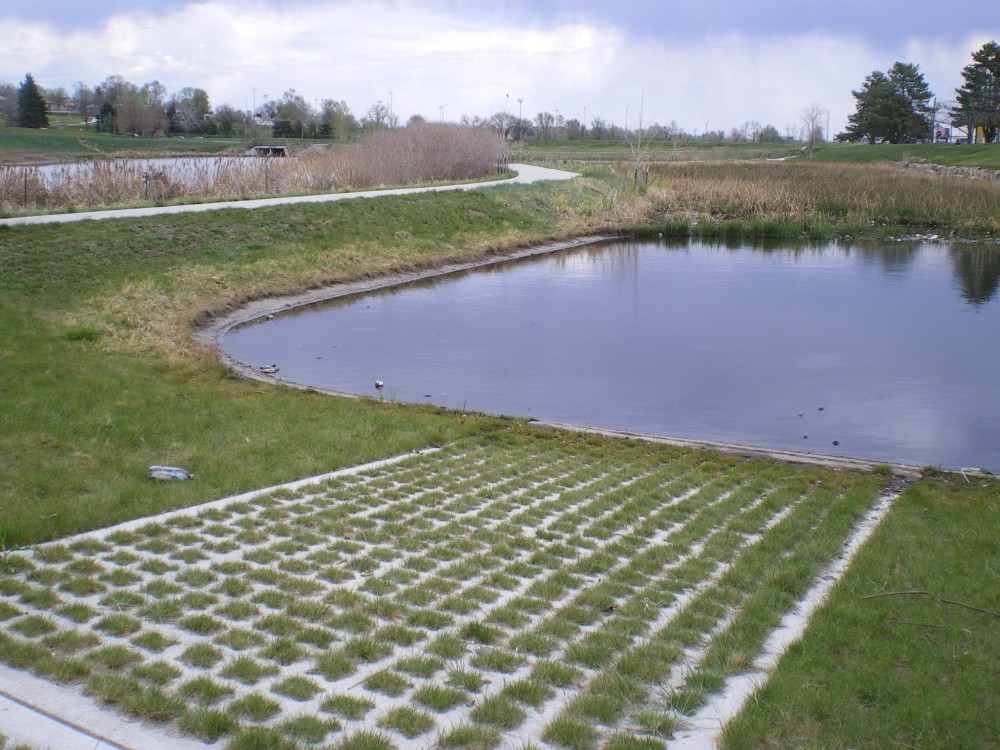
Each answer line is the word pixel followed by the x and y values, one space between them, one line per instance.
pixel 66 139
pixel 26 145
pixel 984 155
pixel 609 150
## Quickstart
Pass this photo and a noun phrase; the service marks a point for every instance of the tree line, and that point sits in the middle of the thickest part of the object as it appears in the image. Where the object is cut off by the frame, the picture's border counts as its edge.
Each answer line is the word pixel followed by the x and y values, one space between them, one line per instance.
pixel 119 106
pixel 899 107
pixel 891 107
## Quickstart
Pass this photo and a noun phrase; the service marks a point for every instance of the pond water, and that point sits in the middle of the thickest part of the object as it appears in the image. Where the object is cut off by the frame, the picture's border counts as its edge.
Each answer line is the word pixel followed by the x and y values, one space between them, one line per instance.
pixel 188 169
pixel 892 351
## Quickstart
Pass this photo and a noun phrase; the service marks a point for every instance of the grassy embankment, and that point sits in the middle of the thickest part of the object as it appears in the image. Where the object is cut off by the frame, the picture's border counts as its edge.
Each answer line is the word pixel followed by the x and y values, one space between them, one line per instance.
pixel 103 380
pixel 30 146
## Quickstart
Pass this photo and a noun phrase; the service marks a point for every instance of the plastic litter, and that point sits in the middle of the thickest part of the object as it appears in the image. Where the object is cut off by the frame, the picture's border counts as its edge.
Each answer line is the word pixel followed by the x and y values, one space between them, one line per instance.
pixel 169 473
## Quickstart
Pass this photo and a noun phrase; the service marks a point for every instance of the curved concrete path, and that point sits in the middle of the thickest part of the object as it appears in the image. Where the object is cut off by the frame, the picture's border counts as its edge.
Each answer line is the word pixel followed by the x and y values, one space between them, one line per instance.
pixel 526 174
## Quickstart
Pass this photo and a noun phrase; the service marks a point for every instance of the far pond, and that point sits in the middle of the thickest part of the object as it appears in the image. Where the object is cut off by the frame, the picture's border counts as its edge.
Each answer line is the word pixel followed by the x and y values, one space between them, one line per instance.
pixel 892 351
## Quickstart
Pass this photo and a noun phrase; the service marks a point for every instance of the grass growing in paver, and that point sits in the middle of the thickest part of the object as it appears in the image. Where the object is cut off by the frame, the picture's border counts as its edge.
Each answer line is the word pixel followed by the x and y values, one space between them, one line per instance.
pixel 668 550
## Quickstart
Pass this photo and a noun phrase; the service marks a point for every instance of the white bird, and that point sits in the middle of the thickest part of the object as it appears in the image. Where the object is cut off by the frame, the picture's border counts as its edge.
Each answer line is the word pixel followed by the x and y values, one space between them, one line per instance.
pixel 379 384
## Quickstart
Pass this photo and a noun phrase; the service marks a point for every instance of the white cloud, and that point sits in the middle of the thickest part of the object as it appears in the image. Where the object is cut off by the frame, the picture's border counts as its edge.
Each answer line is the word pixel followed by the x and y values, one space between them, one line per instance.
pixel 472 64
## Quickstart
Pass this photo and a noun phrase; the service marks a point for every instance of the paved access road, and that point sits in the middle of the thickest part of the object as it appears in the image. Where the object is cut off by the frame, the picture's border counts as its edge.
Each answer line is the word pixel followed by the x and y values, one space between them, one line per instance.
pixel 525 174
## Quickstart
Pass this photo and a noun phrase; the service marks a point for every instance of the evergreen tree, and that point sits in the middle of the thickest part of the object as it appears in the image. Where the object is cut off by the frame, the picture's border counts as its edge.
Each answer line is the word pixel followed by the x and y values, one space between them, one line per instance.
pixel 32 111
pixel 979 99
pixel 891 108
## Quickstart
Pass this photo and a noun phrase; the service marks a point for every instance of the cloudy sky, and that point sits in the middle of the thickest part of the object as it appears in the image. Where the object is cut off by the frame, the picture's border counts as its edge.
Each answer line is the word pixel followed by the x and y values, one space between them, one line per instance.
pixel 701 63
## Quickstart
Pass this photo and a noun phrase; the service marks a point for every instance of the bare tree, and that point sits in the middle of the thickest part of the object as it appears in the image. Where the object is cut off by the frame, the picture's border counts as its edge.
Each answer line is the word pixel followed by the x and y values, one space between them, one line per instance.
pixel 812 118
pixel 83 100
pixel 377 117
pixel 503 124
pixel 57 98
pixel 545 122
pixel 8 103
pixel 641 144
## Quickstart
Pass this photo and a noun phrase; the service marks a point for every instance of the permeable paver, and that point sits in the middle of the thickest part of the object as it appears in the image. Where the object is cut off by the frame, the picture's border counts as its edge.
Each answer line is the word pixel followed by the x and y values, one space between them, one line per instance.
pixel 527 587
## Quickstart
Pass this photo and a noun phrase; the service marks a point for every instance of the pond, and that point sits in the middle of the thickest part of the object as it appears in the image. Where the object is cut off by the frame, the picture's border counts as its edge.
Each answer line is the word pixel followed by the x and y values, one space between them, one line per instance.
pixel 184 169
pixel 885 352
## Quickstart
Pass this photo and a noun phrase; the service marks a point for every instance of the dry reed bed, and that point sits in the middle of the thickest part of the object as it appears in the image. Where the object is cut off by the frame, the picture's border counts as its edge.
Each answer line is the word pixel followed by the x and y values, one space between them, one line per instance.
pixel 425 153
pixel 831 198
pixel 569 590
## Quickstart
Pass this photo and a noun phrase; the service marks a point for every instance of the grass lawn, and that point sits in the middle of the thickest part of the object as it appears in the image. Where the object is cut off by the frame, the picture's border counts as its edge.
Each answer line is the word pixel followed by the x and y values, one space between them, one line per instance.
pixel 459 594
pixel 983 155
pixel 904 653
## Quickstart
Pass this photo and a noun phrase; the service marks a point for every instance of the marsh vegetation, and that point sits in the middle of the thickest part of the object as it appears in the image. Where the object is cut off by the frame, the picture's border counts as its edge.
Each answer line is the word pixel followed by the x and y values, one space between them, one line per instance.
pixel 417 154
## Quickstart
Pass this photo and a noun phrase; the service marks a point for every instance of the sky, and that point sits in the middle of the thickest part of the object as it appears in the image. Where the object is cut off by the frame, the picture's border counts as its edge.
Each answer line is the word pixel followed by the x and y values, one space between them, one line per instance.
pixel 703 64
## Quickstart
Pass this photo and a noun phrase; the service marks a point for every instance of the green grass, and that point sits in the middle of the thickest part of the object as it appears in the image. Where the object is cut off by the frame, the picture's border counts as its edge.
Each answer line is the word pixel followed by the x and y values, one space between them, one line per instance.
pixel 878 666
pixel 89 413
pixel 308 729
pixel 65 140
pixel 111 396
pixel 498 711
pixel 255 707
pixel 247 670
pixel 208 724
pixel 470 737
pixel 982 155
pixel 439 698
pixel 407 721
pixel 347 706
pixel 297 688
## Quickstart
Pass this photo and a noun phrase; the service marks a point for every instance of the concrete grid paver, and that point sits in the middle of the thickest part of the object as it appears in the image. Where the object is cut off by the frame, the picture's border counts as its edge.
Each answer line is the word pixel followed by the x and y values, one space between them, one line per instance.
pixel 331 587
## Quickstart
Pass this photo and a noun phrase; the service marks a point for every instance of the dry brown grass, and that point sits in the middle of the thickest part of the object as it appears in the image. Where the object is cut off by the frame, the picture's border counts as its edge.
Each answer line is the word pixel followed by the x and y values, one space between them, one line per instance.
pixel 419 154
pixel 844 197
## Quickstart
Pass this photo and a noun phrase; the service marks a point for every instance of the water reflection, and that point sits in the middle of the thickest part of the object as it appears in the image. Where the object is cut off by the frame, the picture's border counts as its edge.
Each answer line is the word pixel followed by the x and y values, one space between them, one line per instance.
pixel 977 271
pixel 718 341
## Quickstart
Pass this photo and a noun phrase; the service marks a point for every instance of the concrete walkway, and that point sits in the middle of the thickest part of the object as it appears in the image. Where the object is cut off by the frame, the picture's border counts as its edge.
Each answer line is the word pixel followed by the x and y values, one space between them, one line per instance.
pixel 526 174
